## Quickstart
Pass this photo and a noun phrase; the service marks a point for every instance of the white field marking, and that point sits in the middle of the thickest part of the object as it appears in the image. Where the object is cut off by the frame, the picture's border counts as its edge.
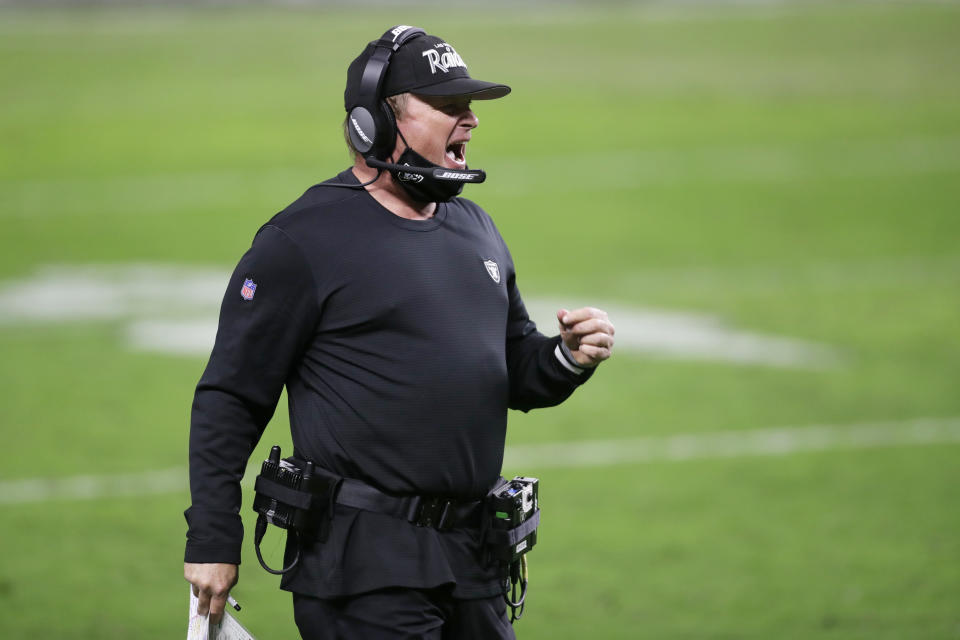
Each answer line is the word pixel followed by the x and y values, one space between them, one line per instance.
pixel 173 310
pixel 113 194
pixel 623 169
pixel 635 168
pixel 733 444
pixel 888 274
pixel 684 335
pixel 176 337
pixel 782 441
pixel 91 487
pixel 65 293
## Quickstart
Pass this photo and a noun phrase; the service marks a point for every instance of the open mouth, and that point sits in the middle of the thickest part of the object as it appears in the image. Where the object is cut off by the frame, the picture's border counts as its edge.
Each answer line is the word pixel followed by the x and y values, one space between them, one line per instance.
pixel 456 152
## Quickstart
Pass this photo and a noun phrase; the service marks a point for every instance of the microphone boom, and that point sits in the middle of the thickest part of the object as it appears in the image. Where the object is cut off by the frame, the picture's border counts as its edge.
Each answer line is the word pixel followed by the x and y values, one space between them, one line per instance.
pixel 437 173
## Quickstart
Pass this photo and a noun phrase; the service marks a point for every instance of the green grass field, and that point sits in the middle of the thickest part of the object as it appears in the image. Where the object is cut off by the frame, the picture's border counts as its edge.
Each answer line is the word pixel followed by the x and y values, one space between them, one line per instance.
pixel 791 169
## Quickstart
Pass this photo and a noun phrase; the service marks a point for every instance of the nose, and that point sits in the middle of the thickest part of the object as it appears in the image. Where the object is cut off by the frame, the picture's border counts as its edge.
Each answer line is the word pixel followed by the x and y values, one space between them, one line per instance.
pixel 469 119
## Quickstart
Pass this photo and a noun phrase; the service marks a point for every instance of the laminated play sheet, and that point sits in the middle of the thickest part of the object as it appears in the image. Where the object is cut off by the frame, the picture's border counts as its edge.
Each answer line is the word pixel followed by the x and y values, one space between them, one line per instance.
pixel 201 629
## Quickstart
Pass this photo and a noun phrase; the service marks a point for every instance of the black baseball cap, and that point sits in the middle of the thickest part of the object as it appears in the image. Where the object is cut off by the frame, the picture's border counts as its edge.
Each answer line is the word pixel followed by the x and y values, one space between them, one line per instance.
pixel 424 65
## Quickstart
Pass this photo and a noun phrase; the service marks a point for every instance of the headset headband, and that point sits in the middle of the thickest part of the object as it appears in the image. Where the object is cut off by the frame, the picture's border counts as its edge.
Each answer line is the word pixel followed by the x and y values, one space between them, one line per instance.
pixel 369 130
pixel 371 82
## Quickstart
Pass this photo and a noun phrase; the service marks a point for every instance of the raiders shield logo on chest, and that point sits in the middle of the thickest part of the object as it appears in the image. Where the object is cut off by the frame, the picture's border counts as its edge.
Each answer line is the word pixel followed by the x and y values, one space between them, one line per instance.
pixel 493 269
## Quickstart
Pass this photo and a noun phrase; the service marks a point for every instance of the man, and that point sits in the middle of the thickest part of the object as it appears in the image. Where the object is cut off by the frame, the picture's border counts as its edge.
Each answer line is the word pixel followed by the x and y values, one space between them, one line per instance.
pixel 389 309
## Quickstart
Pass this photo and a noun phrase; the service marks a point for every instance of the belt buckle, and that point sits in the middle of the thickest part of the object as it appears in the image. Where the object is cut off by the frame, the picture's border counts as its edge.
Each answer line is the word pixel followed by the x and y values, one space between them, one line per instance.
pixel 434 512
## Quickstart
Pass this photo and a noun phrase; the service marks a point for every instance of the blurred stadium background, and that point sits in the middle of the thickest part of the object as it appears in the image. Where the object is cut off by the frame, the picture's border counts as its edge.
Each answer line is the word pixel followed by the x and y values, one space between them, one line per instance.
pixel 765 194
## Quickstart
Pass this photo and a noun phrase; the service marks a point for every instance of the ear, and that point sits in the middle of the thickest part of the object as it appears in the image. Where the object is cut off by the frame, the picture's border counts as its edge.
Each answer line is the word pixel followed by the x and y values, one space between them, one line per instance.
pixel 387 140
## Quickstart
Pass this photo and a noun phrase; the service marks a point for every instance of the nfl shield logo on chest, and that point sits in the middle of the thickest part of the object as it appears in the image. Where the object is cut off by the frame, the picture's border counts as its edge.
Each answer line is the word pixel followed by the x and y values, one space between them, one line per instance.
pixel 493 270
pixel 248 289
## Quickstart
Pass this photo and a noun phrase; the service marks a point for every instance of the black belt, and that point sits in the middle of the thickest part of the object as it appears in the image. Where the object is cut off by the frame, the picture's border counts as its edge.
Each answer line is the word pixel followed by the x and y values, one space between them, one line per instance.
pixel 424 511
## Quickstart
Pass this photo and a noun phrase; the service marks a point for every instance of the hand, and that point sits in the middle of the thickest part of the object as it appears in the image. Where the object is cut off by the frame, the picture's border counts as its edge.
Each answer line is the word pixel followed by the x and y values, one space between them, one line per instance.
pixel 588 333
pixel 211 584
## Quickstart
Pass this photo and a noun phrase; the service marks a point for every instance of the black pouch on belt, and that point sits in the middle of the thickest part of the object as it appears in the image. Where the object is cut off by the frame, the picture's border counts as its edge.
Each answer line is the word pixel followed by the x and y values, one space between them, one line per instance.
pixel 514 508
pixel 514 516
pixel 293 495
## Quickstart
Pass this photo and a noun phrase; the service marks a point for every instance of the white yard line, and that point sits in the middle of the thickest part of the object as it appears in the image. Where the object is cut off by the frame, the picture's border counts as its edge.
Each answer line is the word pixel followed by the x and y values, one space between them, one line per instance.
pixel 90 487
pixel 730 444
pixel 624 169
pixel 780 441
pixel 695 336
pixel 173 309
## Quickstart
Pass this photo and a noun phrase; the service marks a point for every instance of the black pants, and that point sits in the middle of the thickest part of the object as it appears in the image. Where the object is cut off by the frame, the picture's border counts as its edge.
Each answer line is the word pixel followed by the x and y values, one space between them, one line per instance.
pixel 400 613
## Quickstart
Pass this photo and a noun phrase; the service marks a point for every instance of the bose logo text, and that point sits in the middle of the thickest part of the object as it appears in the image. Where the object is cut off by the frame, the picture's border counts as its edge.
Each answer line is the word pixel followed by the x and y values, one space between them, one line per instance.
pixel 396 31
pixel 360 131
pixel 445 60
pixel 457 176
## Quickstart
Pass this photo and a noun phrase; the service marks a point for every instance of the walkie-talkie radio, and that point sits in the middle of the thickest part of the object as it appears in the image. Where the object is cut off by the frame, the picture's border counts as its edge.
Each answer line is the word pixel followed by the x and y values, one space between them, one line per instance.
pixel 292 497
pixel 513 503
pixel 515 512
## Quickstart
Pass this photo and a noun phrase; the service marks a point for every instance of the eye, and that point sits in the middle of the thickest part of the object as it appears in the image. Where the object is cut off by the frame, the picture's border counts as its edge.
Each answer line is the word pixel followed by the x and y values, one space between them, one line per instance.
pixel 455 108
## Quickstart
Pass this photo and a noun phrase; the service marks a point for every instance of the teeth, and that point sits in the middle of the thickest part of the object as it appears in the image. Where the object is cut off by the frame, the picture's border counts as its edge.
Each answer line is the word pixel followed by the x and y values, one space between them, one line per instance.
pixel 455 151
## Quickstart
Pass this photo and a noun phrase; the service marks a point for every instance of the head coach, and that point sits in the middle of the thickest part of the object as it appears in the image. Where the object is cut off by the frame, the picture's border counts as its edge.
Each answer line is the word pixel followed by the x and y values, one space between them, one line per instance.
pixel 388 307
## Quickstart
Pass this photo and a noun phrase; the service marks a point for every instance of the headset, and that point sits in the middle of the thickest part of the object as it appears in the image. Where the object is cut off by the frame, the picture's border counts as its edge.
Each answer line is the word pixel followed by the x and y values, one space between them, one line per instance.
pixel 371 123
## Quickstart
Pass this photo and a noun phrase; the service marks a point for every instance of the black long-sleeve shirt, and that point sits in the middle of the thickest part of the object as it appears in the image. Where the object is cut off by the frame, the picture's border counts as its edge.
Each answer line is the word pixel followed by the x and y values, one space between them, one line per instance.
pixel 402 343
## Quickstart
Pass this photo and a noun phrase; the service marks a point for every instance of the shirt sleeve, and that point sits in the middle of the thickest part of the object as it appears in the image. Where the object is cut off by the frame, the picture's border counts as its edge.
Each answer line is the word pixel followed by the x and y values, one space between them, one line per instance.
pixel 268 315
pixel 539 376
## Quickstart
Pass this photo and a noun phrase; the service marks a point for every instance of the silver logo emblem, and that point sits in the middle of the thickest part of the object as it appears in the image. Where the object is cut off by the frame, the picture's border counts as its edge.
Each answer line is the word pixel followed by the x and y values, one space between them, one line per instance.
pixel 493 270
pixel 409 177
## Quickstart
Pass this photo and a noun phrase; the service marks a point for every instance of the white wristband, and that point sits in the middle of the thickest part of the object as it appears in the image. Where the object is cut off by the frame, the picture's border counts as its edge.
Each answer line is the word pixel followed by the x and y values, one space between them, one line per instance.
pixel 563 354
